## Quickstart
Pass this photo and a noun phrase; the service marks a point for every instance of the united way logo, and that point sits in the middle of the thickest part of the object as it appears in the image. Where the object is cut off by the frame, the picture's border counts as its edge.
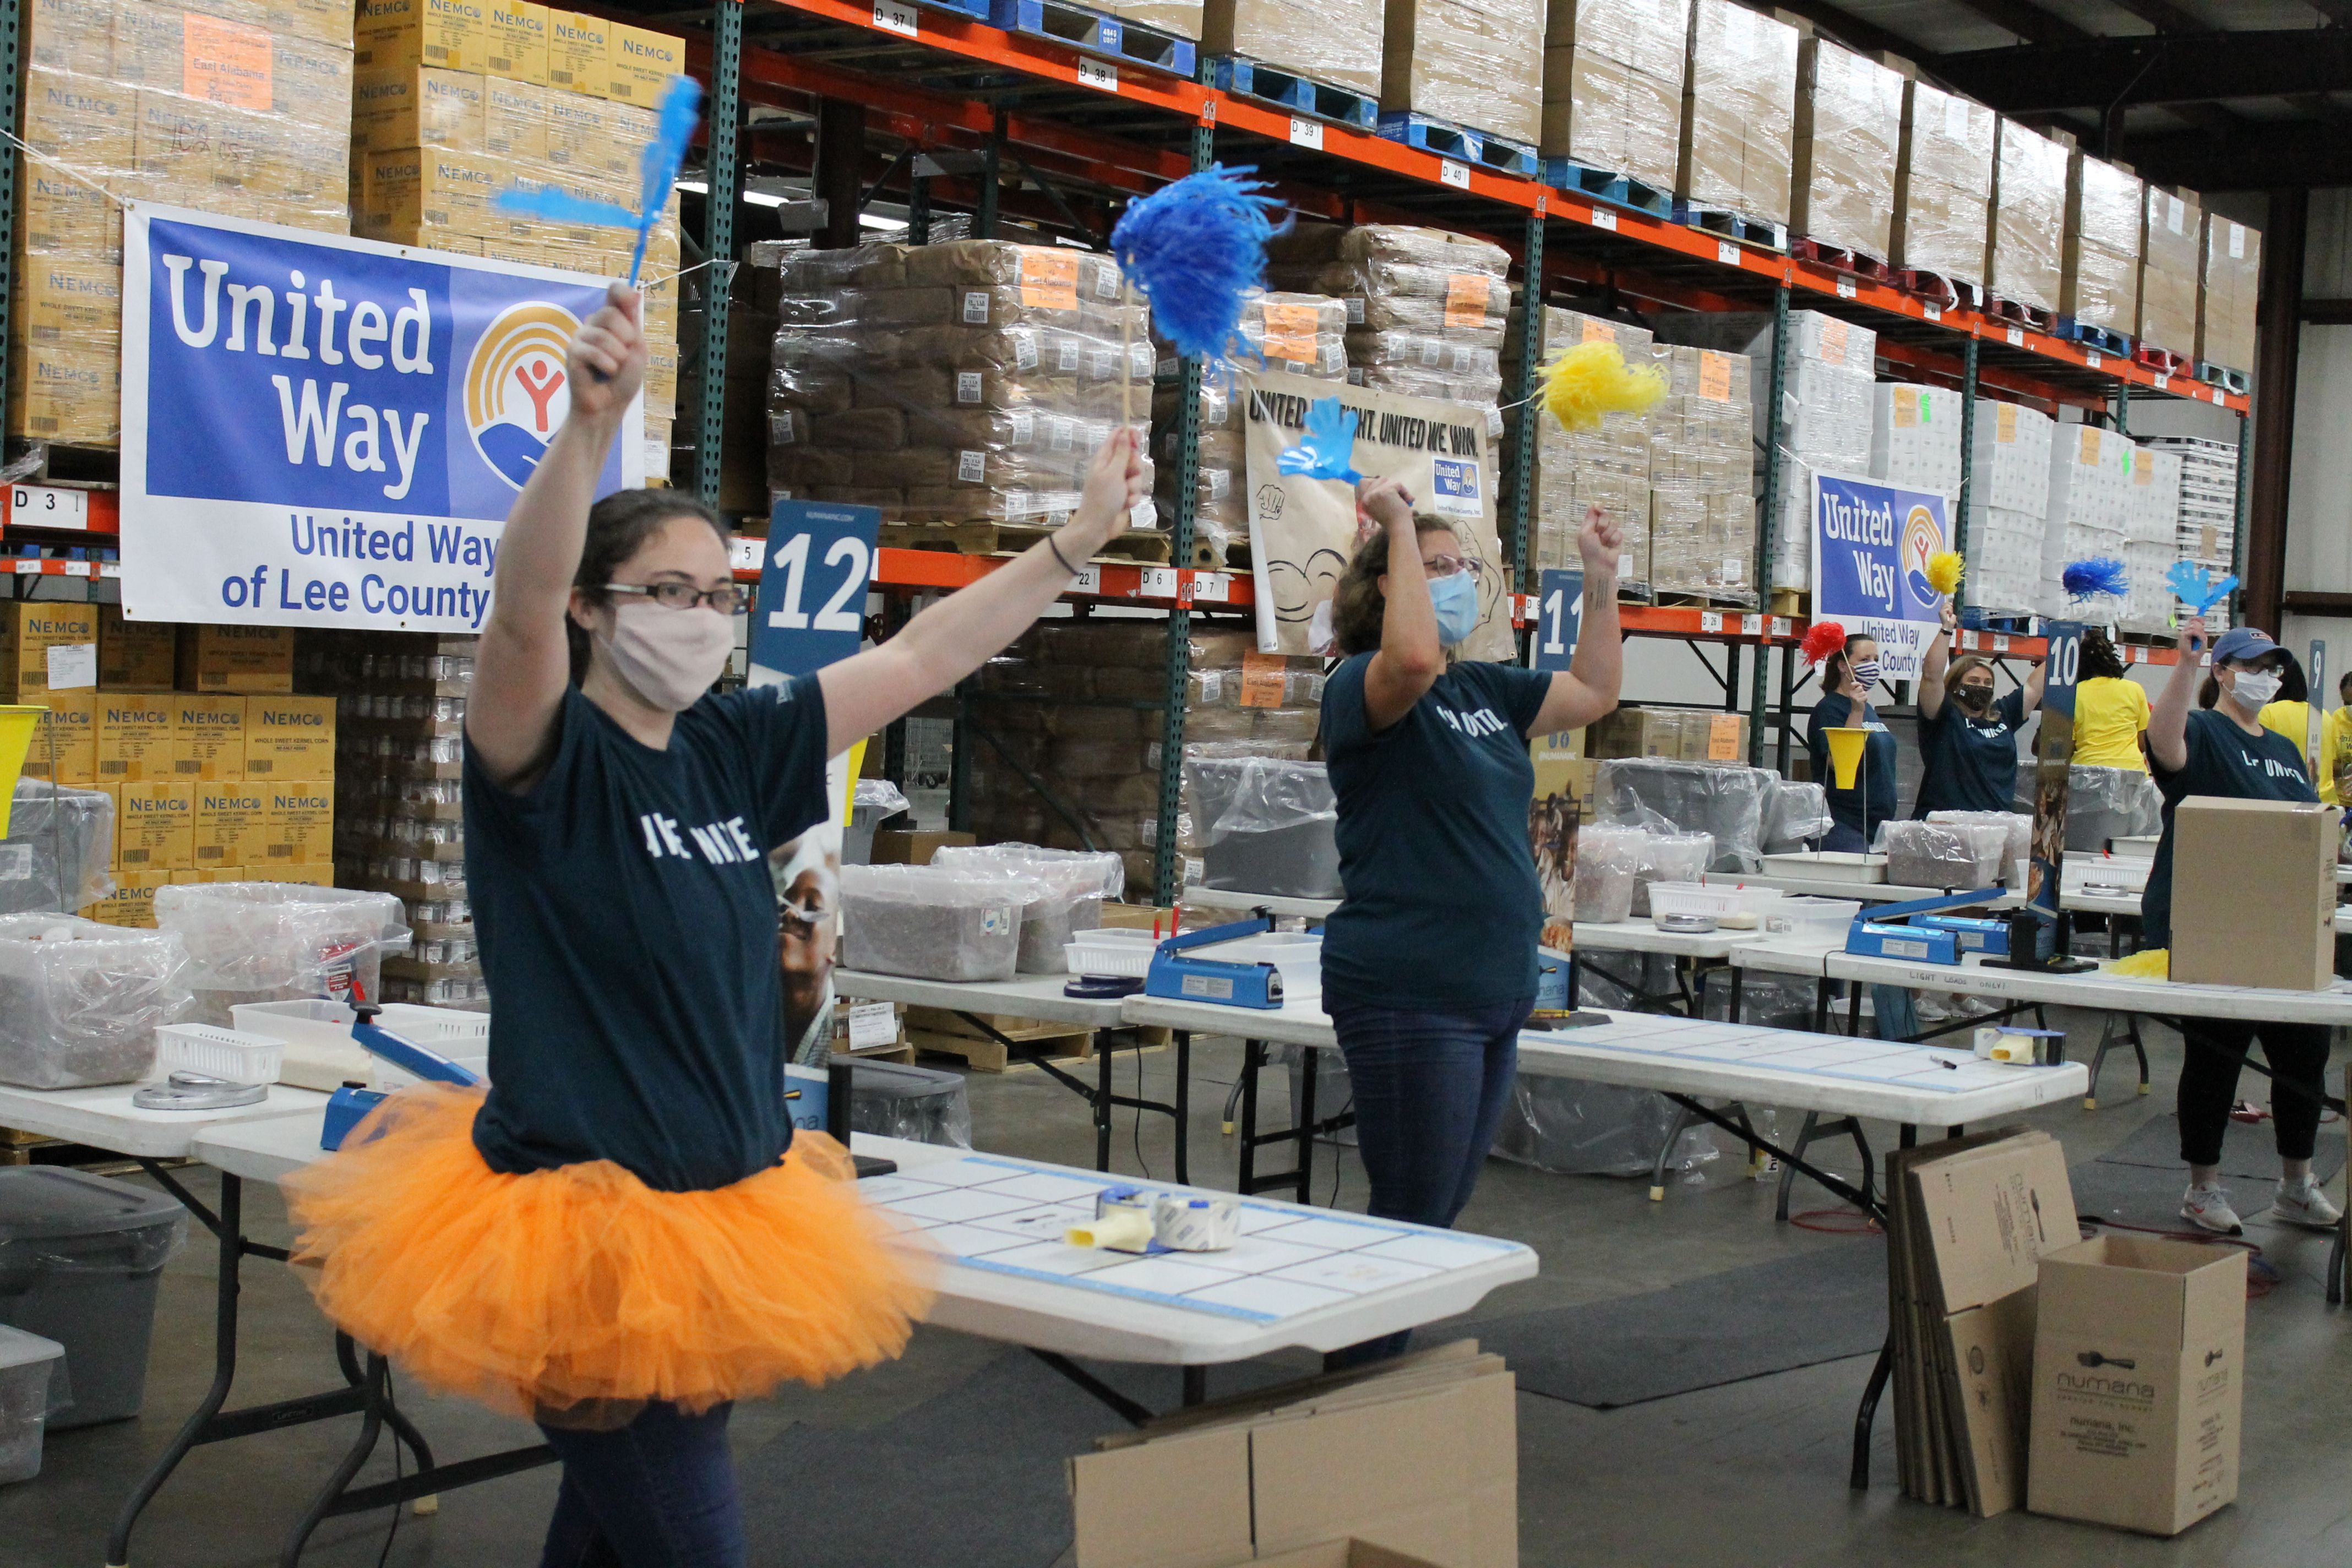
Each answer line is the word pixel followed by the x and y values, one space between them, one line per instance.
pixel 1921 537
pixel 514 393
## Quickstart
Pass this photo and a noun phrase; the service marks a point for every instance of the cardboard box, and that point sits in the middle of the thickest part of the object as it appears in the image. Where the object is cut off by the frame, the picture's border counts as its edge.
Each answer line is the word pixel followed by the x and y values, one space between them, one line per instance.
pixel 134 655
pixel 207 737
pixel 898 846
pixel 297 822
pixel 1466 61
pixel 29 628
pixel 1348 1554
pixel 425 106
pixel 314 874
pixel 2139 1380
pixel 65 740
pixel 577 48
pixel 135 737
pixel 2173 241
pixel 1848 138
pixel 1335 41
pixel 1739 116
pixel 1943 185
pixel 2227 287
pixel 638 64
pixel 62 392
pixel 2026 259
pixel 71 36
pixel 154 826
pixel 515 120
pixel 519 41
pixel 2100 283
pixel 395 34
pixel 236 659
pixel 2254 893
pixel 231 823
pixel 132 902
pixel 64 216
pixel 407 191
pixel 289 738
pixel 1714 737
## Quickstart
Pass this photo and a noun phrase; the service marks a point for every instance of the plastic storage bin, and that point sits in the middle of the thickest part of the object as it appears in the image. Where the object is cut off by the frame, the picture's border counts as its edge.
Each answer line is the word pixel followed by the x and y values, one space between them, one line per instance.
pixel 1065 893
pixel 320 1053
pixel 1267 825
pixel 1821 920
pixel 923 1105
pixel 60 840
pixel 279 941
pixel 80 1001
pixel 79 1260
pixel 930 923
pixel 1607 859
pixel 215 1052
pixel 1111 952
pixel 29 1388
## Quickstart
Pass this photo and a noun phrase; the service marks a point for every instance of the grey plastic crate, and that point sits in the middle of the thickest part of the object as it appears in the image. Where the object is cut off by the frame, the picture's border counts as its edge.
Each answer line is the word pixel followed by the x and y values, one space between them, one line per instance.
pixel 80 1258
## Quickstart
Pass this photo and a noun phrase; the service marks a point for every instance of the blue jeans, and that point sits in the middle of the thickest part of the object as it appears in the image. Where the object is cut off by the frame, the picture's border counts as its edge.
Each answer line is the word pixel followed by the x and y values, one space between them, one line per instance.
pixel 658 1493
pixel 1430 1087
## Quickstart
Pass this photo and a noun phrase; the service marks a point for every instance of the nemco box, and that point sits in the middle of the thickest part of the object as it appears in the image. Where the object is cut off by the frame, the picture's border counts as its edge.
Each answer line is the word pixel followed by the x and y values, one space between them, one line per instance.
pixel 289 738
pixel 2138 1375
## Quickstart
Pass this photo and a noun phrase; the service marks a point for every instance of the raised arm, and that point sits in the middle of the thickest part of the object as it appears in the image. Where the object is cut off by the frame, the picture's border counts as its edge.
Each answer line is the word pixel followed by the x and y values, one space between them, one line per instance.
pixel 1588 689
pixel 524 664
pixel 2034 679
pixel 963 631
pixel 2167 717
pixel 1409 657
pixel 1932 664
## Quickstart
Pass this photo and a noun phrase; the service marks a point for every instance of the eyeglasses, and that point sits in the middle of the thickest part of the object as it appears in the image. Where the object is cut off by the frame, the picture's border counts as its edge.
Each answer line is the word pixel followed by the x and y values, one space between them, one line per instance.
pixel 1453 566
pixel 807 916
pixel 726 600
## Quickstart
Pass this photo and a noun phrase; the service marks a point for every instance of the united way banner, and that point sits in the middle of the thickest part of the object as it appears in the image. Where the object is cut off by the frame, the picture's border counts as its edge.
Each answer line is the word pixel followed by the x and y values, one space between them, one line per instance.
pixel 1871 545
pixel 329 432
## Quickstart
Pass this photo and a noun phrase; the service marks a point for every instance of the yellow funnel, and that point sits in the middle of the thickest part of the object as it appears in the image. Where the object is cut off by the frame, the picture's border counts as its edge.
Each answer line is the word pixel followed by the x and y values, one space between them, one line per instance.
pixel 1845 753
pixel 17 724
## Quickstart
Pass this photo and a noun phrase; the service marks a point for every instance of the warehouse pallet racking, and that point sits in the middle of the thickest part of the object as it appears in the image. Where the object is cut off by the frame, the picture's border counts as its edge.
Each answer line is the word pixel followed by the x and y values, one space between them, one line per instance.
pixel 1019 123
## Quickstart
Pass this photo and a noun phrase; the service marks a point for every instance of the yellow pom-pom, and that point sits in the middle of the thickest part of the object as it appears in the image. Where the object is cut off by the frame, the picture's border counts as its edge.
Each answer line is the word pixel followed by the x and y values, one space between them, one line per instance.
pixel 2153 963
pixel 1593 379
pixel 1944 569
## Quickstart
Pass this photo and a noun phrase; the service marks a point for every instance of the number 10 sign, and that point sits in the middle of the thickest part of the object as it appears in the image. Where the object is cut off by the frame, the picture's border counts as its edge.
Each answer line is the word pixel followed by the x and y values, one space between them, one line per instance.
pixel 812 606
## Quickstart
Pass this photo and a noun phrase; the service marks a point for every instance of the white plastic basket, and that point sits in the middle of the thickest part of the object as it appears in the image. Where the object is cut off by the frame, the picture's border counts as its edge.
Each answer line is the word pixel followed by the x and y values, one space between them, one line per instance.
pixel 215 1052
pixel 1812 918
pixel 1668 900
pixel 321 1052
pixel 1111 952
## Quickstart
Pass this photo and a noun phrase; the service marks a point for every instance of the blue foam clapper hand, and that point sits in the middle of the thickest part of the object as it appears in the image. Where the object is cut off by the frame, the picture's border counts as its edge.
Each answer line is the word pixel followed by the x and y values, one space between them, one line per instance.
pixel 1330 444
pixel 2197 587
pixel 658 165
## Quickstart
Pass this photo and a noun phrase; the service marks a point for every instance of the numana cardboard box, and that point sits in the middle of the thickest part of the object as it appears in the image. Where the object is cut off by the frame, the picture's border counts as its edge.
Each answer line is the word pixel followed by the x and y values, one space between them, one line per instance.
pixel 2139 1383
pixel 2253 894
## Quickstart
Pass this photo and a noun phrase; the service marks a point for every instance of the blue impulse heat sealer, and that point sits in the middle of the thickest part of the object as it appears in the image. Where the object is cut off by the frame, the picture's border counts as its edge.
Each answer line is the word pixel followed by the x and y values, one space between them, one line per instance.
pixel 1888 931
pixel 350 1104
pixel 1181 976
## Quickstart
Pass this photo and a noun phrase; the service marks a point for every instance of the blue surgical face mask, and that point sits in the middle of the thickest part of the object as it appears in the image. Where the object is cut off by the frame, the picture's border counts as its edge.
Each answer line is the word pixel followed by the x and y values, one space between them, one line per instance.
pixel 1455 600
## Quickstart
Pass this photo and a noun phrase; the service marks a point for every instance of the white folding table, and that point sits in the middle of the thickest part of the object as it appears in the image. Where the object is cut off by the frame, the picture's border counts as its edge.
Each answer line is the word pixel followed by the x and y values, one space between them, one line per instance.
pixel 1041 996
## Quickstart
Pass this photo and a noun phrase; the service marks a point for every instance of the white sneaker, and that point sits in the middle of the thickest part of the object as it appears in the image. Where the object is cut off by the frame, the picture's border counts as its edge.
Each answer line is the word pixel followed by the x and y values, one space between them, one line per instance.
pixel 2304 1203
pixel 2210 1207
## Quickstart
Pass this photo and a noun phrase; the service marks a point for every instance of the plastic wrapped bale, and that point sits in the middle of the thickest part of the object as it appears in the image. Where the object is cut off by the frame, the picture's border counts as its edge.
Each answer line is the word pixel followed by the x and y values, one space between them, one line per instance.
pixel 2018 826
pixel 1267 825
pixel 280 941
pixel 1606 860
pixel 1795 814
pixel 930 923
pixel 60 840
pixel 1102 868
pixel 1670 857
pixel 1956 856
pixel 1072 884
pixel 922 1105
pixel 877 800
pixel 2104 804
pixel 80 1001
pixel 1571 1127
pixel 1723 800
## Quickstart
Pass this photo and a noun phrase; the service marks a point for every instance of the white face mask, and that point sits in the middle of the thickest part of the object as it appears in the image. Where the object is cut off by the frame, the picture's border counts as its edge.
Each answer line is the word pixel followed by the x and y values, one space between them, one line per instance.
pixel 2255 688
pixel 668 658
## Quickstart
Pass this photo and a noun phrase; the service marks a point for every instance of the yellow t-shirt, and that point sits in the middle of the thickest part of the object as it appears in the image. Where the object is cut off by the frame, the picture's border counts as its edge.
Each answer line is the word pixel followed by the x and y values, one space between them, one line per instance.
pixel 2109 714
pixel 2292 719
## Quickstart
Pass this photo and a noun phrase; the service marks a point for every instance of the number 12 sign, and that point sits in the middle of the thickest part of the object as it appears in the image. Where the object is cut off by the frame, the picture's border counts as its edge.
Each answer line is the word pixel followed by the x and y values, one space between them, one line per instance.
pixel 812 606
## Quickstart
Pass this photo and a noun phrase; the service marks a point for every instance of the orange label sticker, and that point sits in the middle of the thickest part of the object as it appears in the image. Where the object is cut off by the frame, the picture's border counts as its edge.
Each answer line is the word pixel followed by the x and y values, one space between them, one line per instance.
pixel 2005 423
pixel 1049 278
pixel 1907 407
pixel 1290 332
pixel 1467 299
pixel 1833 340
pixel 1599 331
pixel 1262 676
pixel 225 62
pixel 2090 456
pixel 1713 375
pixel 1723 738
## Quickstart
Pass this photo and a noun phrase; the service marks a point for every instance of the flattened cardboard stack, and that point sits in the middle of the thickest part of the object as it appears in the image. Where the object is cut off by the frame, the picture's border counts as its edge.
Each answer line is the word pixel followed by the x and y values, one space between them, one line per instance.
pixel 1467 62
pixel 1943 189
pixel 1739 110
pixel 1419 1455
pixel 2103 204
pixel 1849 133
pixel 2172 242
pixel 1967 1223
pixel 1613 85
pixel 2026 261
pixel 1334 42
pixel 2227 286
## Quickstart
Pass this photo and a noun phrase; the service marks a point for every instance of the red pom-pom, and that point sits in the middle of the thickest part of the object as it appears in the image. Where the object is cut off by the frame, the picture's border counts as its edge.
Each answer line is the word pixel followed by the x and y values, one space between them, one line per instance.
pixel 1822 638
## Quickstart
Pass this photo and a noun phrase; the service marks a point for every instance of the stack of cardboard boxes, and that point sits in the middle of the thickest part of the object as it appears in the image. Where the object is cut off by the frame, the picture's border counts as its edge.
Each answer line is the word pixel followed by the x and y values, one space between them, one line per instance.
pixel 1703 477
pixel 1467 62
pixel 400 822
pixel 218 772
pixel 1333 41
pixel 2104 205
pixel 1740 108
pixel 2026 261
pixel 1943 187
pixel 236 107
pixel 2009 498
pixel 1613 85
pixel 2088 513
pixel 2205 525
pixel 459 100
pixel 2172 243
pixel 1607 467
pixel 1915 438
pixel 2151 514
pixel 1847 138
pixel 2228 282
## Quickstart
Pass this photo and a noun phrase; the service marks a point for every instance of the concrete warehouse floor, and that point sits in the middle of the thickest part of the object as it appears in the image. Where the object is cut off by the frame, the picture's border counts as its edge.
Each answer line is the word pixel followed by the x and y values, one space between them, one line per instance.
pixel 1750 1474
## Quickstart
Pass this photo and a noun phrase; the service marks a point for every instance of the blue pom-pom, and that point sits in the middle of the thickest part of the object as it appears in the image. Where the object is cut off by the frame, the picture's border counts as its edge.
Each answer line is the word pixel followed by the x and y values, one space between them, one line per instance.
pixel 1330 442
pixel 1195 249
pixel 2197 587
pixel 658 165
pixel 2099 575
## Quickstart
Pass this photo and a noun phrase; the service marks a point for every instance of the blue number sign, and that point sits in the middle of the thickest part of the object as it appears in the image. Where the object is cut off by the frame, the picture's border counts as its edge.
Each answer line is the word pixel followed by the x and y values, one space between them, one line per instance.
pixel 1559 616
pixel 812 606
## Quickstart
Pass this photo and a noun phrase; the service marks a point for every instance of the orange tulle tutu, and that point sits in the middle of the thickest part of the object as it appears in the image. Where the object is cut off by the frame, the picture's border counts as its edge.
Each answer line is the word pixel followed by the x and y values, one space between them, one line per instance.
pixel 577 1294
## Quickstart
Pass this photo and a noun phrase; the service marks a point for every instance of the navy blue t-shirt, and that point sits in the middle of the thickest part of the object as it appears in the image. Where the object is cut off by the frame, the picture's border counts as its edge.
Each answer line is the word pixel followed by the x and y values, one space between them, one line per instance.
pixel 1442 908
pixel 627 924
pixel 2224 761
pixel 1969 764
pixel 1848 808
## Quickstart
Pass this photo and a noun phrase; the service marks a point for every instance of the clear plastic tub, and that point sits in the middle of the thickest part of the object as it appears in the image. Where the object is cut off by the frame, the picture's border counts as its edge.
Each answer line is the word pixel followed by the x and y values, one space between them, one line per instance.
pixel 1671 857
pixel 1668 900
pixel 930 923
pixel 31 1373
pixel 1607 859
pixel 279 941
pixel 1808 920
pixel 80 1001
pixel 320 1053
pixel 215 1052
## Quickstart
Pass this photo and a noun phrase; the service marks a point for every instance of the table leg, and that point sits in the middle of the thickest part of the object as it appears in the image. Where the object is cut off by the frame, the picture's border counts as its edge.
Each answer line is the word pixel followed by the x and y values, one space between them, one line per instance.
pixel 1253 1059
pixel 1196 1387
pixel 1822 994
pixel 1183 1042
pixel 371 1427
pixel 1739 979
pixel 1907 1137
pixel 1854 1008
pixel 1306 1110
pixel 1104 1056
pixel 1682 1121
pixel 2336 1258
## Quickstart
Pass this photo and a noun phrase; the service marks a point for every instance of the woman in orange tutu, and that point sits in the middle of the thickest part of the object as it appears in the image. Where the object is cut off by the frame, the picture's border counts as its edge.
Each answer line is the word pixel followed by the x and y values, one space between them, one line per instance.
pixel 621 1237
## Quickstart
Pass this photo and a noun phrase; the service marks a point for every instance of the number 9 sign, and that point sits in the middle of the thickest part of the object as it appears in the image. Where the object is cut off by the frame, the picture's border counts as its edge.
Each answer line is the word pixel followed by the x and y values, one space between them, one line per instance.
pixel 811 611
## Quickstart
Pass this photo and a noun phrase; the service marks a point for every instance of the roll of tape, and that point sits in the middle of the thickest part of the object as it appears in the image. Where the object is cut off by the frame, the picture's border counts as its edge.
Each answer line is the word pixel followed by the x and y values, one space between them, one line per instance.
pixel 1114 1230
pixel 1186 1223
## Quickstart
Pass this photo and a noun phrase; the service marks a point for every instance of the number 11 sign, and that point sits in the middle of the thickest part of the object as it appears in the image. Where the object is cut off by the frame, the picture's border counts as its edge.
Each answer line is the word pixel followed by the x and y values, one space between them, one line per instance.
pixel 812 606
pixel 1559 615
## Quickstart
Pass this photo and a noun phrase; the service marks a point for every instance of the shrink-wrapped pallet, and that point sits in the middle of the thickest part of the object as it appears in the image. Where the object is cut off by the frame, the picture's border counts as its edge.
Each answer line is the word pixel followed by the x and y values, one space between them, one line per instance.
pixel 2008 494
pixel 1849 131
pixel 2227 287
pixel 2172 236
pixel 2026 264
pixel 1943 185
pixel 1613 85
pixel 1468 62
pixel 1608 465
pixel 1334 42
pixel 1740 108
pixel 2101 284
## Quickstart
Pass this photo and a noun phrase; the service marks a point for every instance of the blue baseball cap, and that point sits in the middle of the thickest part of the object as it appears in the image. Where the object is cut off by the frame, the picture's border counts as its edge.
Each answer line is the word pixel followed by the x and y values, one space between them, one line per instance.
pixel 2244 645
